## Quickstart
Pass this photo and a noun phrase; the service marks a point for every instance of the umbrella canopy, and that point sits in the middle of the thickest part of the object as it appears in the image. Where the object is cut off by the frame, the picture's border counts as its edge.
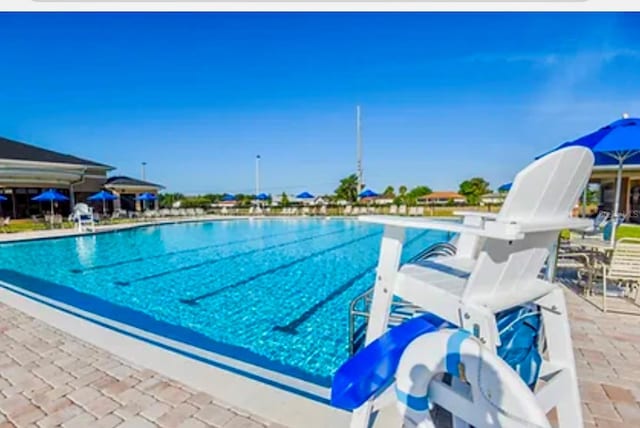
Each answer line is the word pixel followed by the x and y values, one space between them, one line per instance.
pixel 50 195
pixel 3 198
pixel 615 144
pixel 505 187
pixel 368 193
pixel 262 197
pixel 228 197
pixel 305 195
pixel 146 196
pixel 102 195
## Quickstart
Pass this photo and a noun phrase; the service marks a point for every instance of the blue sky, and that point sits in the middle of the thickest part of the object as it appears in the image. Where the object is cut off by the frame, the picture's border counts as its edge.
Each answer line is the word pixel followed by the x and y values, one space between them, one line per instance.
pixel 444 96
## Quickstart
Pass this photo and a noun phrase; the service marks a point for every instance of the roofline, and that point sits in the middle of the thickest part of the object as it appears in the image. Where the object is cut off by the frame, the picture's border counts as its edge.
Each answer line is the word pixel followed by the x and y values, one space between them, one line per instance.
pixel 142 186
pixel 65 164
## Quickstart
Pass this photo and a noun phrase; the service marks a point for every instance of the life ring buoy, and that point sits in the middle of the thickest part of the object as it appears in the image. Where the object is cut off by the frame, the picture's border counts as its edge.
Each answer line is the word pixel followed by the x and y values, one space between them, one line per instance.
pixel 499 396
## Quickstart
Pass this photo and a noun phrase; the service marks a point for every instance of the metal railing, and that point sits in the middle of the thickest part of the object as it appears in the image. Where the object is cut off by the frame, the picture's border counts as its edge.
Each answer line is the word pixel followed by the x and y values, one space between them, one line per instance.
pixel 401 310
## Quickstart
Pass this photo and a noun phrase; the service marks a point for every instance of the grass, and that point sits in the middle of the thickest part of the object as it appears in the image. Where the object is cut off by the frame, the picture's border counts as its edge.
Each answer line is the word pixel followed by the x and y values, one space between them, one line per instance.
pixel 624 231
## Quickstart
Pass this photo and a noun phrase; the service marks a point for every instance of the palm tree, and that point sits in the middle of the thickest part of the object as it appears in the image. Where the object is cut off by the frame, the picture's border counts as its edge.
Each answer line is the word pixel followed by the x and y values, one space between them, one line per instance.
pixel 348 188
pixel 389 192
pixel 403 190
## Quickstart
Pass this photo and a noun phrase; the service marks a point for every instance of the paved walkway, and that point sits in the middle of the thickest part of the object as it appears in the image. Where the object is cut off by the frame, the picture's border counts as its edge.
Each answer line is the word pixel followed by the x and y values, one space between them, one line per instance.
pixel 49 378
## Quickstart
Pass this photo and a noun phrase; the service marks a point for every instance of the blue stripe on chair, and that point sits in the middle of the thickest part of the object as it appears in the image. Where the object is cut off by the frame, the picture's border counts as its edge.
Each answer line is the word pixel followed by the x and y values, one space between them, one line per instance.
pixel 443 268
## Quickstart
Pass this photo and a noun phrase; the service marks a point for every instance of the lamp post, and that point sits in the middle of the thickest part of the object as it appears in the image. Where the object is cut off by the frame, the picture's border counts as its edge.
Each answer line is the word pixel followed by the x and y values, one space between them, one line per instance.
pixel 257 175
pixel 144 175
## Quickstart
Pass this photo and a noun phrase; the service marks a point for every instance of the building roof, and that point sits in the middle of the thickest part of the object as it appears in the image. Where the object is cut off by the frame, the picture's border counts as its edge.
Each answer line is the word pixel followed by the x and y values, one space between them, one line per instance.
pixel 122 180
pixel 15 150
pixel 442 195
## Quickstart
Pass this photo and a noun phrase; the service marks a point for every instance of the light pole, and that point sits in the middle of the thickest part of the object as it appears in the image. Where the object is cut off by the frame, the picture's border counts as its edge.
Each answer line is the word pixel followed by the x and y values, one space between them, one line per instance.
pixel 257 175
pixel 144 175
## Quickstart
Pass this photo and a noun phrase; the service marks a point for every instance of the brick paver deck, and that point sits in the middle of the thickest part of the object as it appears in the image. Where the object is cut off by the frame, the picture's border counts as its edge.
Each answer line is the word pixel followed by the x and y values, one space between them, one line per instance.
pixel 49 378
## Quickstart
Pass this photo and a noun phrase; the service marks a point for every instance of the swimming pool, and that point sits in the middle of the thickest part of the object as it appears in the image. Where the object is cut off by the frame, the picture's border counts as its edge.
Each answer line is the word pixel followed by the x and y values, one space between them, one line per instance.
pixel 272 292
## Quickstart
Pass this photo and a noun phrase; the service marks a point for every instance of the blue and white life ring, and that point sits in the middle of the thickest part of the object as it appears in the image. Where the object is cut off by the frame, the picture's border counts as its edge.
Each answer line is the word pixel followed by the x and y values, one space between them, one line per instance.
pixel 499 396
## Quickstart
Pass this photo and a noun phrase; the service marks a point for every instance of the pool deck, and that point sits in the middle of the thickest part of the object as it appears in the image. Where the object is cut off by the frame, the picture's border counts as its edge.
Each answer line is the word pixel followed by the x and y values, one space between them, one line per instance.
pixel 50 378
pixel 63 233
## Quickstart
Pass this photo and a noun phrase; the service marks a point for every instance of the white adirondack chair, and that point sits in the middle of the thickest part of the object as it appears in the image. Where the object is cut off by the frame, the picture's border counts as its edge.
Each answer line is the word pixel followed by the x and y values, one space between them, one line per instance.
pixel 497 267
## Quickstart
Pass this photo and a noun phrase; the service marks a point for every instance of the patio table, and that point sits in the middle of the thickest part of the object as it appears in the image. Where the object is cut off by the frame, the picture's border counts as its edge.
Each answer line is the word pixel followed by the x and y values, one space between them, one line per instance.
pixel 593 248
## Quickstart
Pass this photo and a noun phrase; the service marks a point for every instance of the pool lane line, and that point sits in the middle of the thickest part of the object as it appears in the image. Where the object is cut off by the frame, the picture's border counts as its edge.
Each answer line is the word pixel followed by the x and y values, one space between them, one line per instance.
pixel 185 251
pixel 233 256
pixel 195 300
pixel 292 326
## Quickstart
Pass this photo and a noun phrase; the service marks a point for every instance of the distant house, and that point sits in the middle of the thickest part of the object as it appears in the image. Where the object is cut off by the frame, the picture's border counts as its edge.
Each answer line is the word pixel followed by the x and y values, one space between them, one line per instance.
pixel 127 188
pixel 443 198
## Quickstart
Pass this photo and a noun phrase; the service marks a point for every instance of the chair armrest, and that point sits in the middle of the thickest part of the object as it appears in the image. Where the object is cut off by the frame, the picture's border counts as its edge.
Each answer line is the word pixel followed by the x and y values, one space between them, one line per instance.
pixel 488 216
pixel 503 231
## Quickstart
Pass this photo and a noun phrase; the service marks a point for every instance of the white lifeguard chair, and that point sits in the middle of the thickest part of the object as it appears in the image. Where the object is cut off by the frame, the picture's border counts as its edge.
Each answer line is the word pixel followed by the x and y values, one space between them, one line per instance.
pixel 498 265
pixel 82 216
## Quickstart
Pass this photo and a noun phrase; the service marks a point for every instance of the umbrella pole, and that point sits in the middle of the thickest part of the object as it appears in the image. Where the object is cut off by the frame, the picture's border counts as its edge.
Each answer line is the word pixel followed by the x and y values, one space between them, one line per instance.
pixel 51 218
pixel 616 203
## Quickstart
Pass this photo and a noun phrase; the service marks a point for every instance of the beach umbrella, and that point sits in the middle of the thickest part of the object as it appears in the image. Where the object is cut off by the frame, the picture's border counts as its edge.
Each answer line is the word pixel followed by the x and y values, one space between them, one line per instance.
pixel 103 196
pixel 3 198
pixel 368 193
pixel 145 197
pixel 50 195
pixel 615 144
pixel 305 195
pixel 228 197
pixel 505 187
pixel 262 197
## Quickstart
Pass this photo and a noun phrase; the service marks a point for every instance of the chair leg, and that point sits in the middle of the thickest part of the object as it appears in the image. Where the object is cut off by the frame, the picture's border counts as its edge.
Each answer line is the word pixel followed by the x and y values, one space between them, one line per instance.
pixel 560 351
pixel 604 290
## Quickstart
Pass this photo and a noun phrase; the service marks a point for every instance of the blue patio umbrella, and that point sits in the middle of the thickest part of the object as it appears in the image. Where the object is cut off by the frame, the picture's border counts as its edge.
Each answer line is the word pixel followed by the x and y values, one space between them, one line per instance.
pixel 50 195
pixel 368 193
pixel 305 195
pixel 262 197
pixel 228 197
pixel 505 187
pixel 3 198
pixel 146 196
pixel 615 144
pixel 103 196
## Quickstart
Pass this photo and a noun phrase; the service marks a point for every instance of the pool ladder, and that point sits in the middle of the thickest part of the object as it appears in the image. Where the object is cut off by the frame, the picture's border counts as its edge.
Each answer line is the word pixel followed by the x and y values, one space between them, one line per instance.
pixel 401 310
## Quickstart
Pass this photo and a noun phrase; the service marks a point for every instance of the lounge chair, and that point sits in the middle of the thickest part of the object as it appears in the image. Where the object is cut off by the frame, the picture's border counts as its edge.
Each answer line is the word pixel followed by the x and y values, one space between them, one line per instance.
pixel 199 211
pixel 348 210
pixel 419 211
pixel 624 269
pixel 323 210
pixel 402 210
pixel 393 210
pixel 466 294
pixel 306 211
pixel 5 223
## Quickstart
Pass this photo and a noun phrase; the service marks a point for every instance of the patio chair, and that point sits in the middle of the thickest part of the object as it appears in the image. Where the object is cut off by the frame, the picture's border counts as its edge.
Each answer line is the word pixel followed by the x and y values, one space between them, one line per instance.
pixel 402 210
pixel 624 269
pixel 5 223
pixel 348 210
pixel 466 294
pixel 323 210
pixel 306 211
pixel 393 210
pixel 420 211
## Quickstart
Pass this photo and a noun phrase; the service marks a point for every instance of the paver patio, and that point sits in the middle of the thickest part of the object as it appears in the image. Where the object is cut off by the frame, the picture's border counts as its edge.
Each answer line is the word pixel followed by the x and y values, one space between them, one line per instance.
pixel 50 378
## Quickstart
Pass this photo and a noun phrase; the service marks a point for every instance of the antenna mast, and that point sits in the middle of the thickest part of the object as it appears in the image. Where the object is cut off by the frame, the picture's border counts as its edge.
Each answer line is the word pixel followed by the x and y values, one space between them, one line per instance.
pixel 359 151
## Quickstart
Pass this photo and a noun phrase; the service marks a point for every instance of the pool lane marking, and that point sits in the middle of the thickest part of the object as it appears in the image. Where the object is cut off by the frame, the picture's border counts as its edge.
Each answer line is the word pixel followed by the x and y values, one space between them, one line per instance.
pixel 292 326
pixel 233 256
pixel 173 253
pixel 195 300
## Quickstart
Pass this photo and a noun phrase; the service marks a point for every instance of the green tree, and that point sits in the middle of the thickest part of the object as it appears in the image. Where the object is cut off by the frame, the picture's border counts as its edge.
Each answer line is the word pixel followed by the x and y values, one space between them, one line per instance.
pixel 417 192
pixel 284 200
pixel 389 192
pixel 402 190
pixel 473 189
pixel 348 188
pixel 168 199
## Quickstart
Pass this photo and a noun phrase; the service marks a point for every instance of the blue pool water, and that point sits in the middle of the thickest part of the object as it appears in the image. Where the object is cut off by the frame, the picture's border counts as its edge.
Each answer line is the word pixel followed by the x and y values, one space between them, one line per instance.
pixel 279 289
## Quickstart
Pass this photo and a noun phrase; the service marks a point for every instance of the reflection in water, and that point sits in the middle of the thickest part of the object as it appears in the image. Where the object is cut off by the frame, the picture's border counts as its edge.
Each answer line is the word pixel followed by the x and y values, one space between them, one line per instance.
pixel 86 249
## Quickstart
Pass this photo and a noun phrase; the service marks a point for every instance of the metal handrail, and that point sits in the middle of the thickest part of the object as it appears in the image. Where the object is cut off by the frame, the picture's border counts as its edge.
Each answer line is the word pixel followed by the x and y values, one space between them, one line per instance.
pixel 401 310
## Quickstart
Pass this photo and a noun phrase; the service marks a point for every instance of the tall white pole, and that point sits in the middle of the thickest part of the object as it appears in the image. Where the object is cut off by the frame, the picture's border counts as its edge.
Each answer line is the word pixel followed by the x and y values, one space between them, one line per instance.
pixel 257 175
pixel 359 150
pixel 144 173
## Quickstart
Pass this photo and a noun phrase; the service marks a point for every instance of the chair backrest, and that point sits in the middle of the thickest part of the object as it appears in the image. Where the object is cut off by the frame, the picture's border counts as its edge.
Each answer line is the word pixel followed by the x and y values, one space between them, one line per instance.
pixel 393 209
pixel 543 192
pixel 81 209
pixel 625 261
pixel 600 219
